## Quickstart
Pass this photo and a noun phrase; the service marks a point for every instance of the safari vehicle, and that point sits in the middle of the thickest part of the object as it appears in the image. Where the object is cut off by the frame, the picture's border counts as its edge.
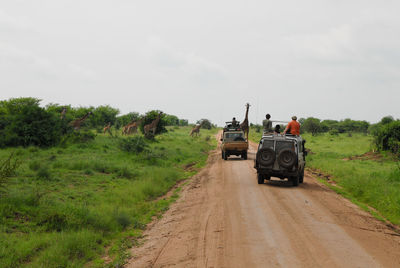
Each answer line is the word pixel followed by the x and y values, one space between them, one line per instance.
pixel 281 156
pixel 233 142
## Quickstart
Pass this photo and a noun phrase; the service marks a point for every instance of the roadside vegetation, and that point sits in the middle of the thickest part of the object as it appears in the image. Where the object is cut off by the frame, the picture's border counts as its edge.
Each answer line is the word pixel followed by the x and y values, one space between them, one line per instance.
pixel 352 169
pixel 82 198
pixel 357 159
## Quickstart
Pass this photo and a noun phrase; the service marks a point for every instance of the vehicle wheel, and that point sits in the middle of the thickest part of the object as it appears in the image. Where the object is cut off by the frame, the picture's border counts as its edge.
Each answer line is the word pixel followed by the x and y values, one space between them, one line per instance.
pixel 301 176
pixel 225 156
pixel 266 156
pixel 222 154
pixel 244 156
pixel 260 178
pixel 295 180
pixel 287 158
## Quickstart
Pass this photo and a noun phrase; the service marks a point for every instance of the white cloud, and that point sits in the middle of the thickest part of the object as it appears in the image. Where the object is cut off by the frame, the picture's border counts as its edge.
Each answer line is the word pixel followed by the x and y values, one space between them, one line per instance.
pixel 82 71
pixel 190 64
pixel 12 54
pixel 337 44
pixel 12 23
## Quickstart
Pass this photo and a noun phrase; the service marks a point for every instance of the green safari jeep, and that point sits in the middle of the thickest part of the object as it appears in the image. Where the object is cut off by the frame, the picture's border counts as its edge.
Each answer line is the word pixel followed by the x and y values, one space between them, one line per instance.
pixel 281 156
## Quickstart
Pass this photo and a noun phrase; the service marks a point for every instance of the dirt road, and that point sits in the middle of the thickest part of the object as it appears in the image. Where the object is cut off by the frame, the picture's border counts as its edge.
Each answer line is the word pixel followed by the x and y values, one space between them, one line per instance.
pixel 225 219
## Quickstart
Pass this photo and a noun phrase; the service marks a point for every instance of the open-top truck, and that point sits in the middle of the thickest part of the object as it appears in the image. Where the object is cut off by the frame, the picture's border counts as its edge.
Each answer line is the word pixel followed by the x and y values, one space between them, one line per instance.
pixel 233 141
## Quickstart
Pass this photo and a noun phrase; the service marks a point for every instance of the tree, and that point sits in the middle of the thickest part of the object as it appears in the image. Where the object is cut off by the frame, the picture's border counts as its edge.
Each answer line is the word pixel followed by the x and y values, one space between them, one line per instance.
pixel 23 122
pixel 205 123
pixel 103 115
pixel 387 136
pixel 386 120
pixel 183 122
pixel 301 121
pixel 126 119
pixel 152 115
pixel 171 120
pixel 328 125
pixel 312 125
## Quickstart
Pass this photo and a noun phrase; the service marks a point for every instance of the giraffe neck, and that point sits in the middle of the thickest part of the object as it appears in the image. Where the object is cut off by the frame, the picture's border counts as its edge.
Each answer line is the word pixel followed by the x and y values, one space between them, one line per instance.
pixel 84 117
pixel 157 120
pixel 247 113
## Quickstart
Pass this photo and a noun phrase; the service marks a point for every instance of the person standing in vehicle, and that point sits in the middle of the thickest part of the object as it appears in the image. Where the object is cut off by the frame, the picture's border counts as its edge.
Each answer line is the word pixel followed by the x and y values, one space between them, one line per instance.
pixel 293 127
pixel 234 122
pixel 267 124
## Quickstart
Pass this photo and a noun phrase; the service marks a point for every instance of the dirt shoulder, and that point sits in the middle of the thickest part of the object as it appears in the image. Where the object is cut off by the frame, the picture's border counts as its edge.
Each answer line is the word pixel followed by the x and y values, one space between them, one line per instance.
pixel 225 219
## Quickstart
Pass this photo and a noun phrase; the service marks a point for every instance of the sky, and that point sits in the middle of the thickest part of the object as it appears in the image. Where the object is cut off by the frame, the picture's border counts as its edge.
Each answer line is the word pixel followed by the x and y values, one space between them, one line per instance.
pixel 330 59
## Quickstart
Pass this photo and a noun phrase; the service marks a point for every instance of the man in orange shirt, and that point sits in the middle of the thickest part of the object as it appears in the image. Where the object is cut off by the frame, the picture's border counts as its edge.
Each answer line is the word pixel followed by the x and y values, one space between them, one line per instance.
pixel 293 127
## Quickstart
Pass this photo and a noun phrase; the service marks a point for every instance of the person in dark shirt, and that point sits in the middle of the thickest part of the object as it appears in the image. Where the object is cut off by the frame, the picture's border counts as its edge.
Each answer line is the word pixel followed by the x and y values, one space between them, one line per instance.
pixel 234 122
pixel 267 124
pixel 277 129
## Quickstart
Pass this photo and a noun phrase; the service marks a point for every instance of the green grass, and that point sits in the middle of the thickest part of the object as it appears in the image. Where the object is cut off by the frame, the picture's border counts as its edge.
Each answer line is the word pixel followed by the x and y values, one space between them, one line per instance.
pixel 70 206
pixel 368 183
pixel 375 183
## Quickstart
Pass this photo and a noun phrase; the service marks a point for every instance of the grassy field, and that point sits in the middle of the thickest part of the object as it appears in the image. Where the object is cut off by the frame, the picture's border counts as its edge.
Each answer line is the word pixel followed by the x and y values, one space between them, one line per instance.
pixel 84 204
pixel 370 180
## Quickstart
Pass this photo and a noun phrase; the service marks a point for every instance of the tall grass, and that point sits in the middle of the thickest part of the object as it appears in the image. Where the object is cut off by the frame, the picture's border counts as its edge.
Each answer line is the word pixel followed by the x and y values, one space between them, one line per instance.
pixel 69 206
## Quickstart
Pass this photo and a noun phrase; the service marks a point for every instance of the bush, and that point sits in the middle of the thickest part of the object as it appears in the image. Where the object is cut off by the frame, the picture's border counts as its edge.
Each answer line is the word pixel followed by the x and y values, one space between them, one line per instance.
pixel 7 169
pixel 126 119
pixel 44 173
pixel 34 165
pixel 24 123
pixel 150 117
pixel 123 219
pixel 103 115
pixel 125 172
pixel 171 120
pixel 334 132
pixel 135 144
pixel 205 123
pixel 387 137
pixel 78 137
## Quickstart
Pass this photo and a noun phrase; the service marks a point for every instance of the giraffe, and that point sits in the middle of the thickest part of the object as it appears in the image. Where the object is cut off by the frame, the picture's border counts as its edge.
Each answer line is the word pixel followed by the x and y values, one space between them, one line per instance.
pixel 107 129
pixel 195 129
pixel 132 128
pixel 245 124
pixel 76 124
pixel 152 126
pixel 63 112
pixel 126 127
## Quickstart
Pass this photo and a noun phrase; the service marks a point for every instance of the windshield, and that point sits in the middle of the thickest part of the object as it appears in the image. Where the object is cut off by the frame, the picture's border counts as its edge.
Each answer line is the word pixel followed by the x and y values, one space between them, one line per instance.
pixel 233 136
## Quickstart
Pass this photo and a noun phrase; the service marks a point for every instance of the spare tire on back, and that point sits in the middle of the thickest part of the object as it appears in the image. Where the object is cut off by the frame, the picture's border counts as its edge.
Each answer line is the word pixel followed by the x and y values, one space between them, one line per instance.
pixel 287 158
pixel 266 156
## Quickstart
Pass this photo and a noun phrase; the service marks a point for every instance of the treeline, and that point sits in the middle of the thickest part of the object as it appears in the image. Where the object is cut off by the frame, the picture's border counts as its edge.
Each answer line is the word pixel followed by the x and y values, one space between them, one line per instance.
pixel 314 126
pixel 386 132
pixel 23 122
